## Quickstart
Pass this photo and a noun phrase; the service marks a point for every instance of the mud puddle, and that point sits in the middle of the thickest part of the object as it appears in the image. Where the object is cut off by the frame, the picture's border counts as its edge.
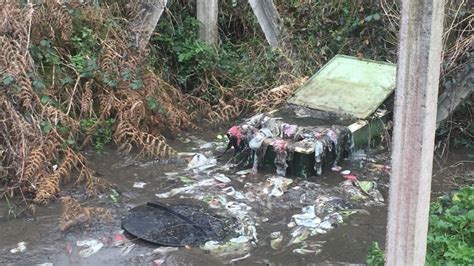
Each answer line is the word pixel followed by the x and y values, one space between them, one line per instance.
pixel 342 241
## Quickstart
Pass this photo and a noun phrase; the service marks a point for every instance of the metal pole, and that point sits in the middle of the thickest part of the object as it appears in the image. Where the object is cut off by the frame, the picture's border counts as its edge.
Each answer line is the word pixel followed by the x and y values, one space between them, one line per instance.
pixel 419 58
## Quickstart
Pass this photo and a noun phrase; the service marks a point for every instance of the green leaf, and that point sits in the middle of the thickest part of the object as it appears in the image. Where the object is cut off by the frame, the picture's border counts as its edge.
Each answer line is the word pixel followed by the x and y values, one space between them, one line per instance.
pixel 7 79
pixel 38 84
pixel 45 99
pixel 151 102
pixel 45 43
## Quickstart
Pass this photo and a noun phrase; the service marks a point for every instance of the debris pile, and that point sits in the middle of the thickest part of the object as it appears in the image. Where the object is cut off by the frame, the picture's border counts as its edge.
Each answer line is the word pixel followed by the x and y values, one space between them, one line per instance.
pixel 330 144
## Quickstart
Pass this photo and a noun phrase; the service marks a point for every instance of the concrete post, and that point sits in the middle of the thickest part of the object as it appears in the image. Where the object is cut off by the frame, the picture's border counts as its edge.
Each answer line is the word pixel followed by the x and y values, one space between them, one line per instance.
pixel 145 22
pixel 269 20
pixel 419 58
pixel 207 16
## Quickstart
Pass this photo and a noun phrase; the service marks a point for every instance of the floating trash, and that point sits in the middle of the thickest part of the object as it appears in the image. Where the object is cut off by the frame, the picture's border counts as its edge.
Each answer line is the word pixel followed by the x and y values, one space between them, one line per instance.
pixel 350 177
pixel 226 249
pixel 21 247
pixel 244 172
pixel 93 246
pixel 222 178
pixel 139 184
pixel 307 218
pixel 207 146
pixel 276 240
pixel 199 163
pixel 298 235
pixel 345 172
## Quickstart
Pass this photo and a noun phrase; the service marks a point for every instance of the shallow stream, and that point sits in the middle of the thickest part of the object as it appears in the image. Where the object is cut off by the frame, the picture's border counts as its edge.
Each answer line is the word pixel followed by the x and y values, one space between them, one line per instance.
pixel 346 241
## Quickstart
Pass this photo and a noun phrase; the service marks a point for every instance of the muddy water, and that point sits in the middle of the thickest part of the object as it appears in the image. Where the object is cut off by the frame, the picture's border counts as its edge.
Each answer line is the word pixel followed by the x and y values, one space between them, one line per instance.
pixel 347 243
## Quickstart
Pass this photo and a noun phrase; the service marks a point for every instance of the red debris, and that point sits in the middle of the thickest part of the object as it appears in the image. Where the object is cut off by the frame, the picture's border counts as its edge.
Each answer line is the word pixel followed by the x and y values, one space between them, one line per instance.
pixel 350 177
pixel 237 133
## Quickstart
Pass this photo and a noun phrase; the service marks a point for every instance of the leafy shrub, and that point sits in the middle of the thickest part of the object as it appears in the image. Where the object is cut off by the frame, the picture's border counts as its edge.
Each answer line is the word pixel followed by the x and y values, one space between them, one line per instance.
pixel 450 232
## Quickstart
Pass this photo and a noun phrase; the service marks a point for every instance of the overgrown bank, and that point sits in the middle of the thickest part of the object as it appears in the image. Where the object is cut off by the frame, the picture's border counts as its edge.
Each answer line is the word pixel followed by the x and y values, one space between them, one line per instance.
pixel 71 77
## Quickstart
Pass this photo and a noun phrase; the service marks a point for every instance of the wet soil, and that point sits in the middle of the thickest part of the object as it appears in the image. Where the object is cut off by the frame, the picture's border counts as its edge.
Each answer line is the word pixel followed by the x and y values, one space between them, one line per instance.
pixel 347 243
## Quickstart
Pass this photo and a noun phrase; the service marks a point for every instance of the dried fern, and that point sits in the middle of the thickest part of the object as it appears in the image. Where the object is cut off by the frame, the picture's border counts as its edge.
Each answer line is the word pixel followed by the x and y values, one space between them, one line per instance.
pixel 74 214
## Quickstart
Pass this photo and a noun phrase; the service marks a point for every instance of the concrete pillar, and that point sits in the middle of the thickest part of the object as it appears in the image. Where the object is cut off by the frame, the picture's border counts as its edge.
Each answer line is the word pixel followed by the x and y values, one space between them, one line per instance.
pixel 207 17
pixel 269 20
pixel 419 58
pixel 144 24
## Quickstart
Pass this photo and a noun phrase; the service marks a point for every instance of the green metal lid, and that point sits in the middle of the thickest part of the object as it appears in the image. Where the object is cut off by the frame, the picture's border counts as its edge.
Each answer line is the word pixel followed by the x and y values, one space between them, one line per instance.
pixel 348 85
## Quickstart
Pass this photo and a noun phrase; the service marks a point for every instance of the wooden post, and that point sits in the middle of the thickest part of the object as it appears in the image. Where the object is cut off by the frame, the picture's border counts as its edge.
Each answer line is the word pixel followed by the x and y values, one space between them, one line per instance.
pixel 207 16
pixel 269 20
pixel 419 58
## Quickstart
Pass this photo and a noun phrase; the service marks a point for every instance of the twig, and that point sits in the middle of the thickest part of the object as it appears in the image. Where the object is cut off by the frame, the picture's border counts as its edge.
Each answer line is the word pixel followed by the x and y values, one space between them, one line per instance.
pixel 73 92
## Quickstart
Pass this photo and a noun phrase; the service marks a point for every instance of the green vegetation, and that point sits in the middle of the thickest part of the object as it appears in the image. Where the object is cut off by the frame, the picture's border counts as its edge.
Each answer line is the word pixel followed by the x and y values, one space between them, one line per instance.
pixel 450 233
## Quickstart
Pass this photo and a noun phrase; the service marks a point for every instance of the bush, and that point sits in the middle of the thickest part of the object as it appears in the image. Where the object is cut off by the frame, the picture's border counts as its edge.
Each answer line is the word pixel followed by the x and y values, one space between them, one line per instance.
pixel 450 232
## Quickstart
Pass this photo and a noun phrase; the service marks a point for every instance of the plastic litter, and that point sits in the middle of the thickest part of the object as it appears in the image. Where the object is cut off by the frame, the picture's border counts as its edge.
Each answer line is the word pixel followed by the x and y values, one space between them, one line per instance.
pixel 350 177
pixel 226 249
pixel 370 188
pixel 304 251
pixel 299 234
pixel 336 168
pixel 277 186
pixel 240 258
pixel 187 189
pixel 93 246
pixel 307 218
pixel 185 179
pixel 244 172
pixel 127 249
pixel 276 240
pixel 200 162
pixel 222 178
pixel 21 247
pixel 345 172
pixel 139 184
pixel 206 146
pixel 164 250
pixel 45 264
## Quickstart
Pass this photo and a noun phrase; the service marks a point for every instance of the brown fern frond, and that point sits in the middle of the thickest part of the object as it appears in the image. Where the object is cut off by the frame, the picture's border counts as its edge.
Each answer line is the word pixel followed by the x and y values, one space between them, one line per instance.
pixel 274 98
pixel 87 101
pixel 50 185
pixel 128 136
pixel 74 214
pixel 49 20
pixel 56 115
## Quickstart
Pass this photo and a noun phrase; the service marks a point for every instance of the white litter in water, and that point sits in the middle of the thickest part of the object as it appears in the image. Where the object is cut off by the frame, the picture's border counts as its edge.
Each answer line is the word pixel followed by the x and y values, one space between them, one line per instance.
pixel 222 178
pixel 345 172
pixel 21 246
pixel 92 245
pixel 206 146
pixel 308 218
pixel 241 258
pixel 200 163
pixel 139 184
pixel 244 172
pixel 172 174
pixel 187 189
pixel 240 239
